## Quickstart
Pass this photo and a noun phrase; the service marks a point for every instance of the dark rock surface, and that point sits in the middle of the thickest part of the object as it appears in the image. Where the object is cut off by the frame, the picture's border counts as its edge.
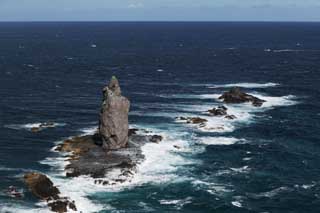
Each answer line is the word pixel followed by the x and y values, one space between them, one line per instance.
pixel 88 158
pixel 231 117
pixel 42 187
pixel 219 111
pixel 113 124
pixel 235 95
pixel 193 120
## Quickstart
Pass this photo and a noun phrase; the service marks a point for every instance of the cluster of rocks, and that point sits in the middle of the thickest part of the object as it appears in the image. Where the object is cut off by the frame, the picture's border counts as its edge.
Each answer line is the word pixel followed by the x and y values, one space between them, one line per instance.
pixel 221 111
pixel 42 187
pixel 113 149
pixel 234 96
pixel 43 126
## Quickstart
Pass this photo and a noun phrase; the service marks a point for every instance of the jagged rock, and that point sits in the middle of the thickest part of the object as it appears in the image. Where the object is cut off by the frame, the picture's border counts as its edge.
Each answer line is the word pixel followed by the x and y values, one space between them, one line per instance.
pixel 132 132
pixel 35 129
pixel 230 117
pixel 42 126
pixel 219 111
pixel 62 205
pixel 235 95
pixel 47 125
pixel 156 138
pixel 193 120
pixel 197 120
pixel 113 125
pixel 42 187
pixel 88 158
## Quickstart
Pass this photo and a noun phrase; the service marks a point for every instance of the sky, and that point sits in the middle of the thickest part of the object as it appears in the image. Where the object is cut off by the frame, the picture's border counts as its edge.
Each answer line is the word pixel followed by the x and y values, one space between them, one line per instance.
pixel 159 10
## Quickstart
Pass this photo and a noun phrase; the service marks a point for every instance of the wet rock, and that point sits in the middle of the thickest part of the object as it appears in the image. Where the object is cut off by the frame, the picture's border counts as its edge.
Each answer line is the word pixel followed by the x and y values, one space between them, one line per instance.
pixel 42 187
pixel 219 111
pixel 42 126
pixel 13 192
pixel 177 147
pixel 35 129
pixel 156 138
pixel 235 95
pixel 231 117
pixel 87 158
pixel 62 205
pixel 47 125
pixel 113 125
pixel 193 120
pixel 196 120
pixel 132 132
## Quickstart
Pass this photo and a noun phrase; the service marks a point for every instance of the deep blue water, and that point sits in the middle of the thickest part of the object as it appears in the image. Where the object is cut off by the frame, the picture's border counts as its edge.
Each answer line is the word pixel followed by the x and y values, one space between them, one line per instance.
pixel 268 160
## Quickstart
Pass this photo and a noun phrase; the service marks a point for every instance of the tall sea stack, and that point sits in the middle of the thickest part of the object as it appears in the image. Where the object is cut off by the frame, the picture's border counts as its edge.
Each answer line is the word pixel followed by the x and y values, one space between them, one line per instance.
pixel 113 124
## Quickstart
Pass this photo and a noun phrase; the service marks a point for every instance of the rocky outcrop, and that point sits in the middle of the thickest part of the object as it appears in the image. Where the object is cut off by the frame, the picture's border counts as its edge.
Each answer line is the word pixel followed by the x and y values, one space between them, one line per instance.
pixel 235 95
pixel 42 126
pixel 86 157
pixel 192 120
pixel 42 187
pixel 219 111
pixel 113 124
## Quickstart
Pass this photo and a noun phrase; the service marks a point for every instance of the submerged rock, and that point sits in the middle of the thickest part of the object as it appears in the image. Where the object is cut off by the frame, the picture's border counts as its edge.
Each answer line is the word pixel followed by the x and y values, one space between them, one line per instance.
pixel 113 124
pixel 219 111
pixel 156 138
pixel 43 126
pixel 235 95
pixel 193 120
pixel 230 117
pixel 42 187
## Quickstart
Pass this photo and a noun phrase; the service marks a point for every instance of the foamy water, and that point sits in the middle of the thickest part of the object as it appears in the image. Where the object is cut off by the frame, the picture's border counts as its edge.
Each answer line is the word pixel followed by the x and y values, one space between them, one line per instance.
pixel 162 161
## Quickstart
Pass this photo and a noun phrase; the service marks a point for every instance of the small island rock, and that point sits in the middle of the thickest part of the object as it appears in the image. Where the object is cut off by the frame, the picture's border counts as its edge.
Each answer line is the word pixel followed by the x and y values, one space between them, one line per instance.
pixel 113 125
pixel 235 95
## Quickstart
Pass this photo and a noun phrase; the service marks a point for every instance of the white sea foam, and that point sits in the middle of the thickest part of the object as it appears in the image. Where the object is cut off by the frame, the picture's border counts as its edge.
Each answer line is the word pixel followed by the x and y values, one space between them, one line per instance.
pixel 244 169
pixel 245 85
pixel 219 140
pixel 149 171
pixel 3 168
pixel 217 189
pixel 29 126
pixel 178 203
pixel 287 100
pixel 89 130
pixel 288 50
pixel 9 208
pixel 236 203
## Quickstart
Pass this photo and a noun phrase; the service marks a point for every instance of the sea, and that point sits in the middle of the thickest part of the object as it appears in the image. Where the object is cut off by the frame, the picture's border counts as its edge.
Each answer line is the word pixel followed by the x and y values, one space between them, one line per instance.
pixel 265 161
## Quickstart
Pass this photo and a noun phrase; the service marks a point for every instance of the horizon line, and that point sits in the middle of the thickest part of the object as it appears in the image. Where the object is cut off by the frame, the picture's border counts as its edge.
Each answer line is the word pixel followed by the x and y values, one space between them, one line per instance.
pixel 159 21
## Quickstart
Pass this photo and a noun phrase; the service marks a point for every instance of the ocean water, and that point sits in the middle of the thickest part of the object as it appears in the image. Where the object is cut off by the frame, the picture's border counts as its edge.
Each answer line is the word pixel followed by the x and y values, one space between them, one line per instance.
pixel 267 160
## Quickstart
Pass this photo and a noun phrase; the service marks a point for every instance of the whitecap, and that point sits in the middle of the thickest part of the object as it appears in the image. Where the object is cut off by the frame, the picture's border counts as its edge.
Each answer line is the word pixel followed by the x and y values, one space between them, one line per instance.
pixel 243 169
pixel 30 126
pixel 89 130
pixel 219 140
pixel 178 203
pixel 236 203
pixel 287 50
pixel 245 85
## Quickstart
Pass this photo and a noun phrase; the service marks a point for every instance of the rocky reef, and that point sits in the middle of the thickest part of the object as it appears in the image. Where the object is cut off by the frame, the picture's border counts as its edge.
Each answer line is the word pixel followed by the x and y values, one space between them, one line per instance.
pixel 42 187
pixel 236 96
pixel 112 152
pixel 113 123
